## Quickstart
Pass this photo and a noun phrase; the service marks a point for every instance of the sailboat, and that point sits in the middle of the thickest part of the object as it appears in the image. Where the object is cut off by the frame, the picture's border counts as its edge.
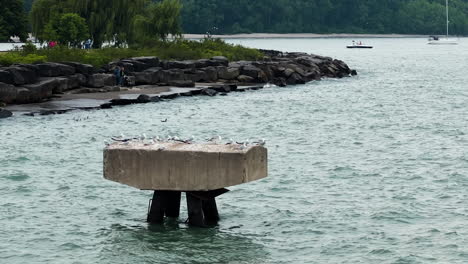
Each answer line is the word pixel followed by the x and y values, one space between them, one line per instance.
pixel 434 40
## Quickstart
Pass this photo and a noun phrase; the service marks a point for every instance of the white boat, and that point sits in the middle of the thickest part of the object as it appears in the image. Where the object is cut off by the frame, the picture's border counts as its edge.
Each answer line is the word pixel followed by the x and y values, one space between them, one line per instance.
pixel 358 45
pixel 434 40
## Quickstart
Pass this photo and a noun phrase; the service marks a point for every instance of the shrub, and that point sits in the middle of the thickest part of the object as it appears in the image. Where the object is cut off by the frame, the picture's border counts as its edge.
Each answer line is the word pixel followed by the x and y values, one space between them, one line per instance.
pixel 16 57
pixel 170 50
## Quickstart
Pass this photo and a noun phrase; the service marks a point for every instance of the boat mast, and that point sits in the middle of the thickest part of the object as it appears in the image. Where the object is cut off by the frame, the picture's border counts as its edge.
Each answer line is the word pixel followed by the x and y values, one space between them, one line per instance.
pixel 446 9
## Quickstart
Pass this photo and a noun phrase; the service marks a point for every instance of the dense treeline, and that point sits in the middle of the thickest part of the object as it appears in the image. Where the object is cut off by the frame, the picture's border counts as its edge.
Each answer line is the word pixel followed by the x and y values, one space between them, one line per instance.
pixel 310 16
pixel 324 16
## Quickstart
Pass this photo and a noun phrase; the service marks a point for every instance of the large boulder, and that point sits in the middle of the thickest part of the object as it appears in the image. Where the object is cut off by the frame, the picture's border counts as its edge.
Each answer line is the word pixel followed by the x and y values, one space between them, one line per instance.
pixel 148 76
pixel 150 61
pixel 179 64
pixel 76 80
pixel 167 76
pixel 220 61
pixel 195 75
pixel 182 83
pixel 5 113
pixel 22 75
pixel 211 74
pixel 37 92
pixel 6 77
pixel 251 71
pixel 85 69
pixel 295 78
pixel 100 80
pixel 142 78
pixel 228 73
pixel 8 93
pixel 51 69
pixel 245 79
pixel 136 66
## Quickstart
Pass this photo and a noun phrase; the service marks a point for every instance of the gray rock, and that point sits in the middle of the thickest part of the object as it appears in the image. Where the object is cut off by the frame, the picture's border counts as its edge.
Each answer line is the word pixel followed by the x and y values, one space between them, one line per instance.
pixel 100 80
pixel 179 64
pixel 22 75
pixel 280 82
pixel 195 75
pixel 223 61
pixel 295 78
pixel 85 69
pixel 142 78
pixel 6 77
pixel 209 92
pixel 76 80
pixel 51 69
pixel 143 98
pixel 150 61
pixel 182 83
pixel 42 89
pixel 8 93
pixel 245 79
pixel 5 113
pixel 287 72
pixel 167 76
pixel 211 74
pixel 226 73
pixel 251 71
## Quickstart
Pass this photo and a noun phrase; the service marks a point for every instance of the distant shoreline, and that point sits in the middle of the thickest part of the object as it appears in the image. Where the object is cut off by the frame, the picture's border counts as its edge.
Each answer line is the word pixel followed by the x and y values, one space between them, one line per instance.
pixel 302 35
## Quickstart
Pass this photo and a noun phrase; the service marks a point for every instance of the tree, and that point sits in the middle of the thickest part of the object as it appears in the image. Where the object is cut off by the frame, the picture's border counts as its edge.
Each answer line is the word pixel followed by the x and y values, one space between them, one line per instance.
pixel 13 20
pixel 69 29
pixel 159 21
pixel 107 20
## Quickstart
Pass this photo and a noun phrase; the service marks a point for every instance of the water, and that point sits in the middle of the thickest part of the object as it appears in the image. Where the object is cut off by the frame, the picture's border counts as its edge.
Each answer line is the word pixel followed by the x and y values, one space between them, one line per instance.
pixel 369 169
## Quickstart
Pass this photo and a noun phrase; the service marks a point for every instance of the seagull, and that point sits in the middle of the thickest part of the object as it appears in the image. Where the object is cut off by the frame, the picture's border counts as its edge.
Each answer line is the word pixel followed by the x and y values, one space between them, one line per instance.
pixel 106 143
pixel 261 142
pixel 230 142
pixel 164 121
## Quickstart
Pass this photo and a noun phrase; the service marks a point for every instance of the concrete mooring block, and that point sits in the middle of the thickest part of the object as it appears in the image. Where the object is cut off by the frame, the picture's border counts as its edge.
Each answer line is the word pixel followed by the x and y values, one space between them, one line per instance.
pixel 177 166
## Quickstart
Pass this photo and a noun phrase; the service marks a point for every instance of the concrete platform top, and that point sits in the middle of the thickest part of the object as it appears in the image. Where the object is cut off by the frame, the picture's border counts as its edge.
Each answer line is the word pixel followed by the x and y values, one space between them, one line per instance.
pixel 183 167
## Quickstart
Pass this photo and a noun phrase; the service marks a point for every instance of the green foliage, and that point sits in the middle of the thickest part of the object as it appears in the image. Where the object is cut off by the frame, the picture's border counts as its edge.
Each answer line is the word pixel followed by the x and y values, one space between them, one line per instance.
pixel 69 29
pixel 17 57
pixel 173 50
pixel 324 16
pixel 158 21
pixel 13 20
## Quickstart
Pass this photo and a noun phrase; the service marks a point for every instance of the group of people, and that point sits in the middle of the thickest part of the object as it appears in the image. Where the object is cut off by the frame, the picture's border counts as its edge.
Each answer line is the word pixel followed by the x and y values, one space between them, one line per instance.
pixel 87 44
pixel 119 73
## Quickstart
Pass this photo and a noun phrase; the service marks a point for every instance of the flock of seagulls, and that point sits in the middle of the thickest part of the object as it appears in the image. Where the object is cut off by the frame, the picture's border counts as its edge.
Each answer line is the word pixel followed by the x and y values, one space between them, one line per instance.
pixel 147 141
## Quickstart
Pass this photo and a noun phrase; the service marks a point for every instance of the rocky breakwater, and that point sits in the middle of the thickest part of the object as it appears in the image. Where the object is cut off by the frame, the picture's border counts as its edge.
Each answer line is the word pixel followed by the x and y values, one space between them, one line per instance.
pixel 34 83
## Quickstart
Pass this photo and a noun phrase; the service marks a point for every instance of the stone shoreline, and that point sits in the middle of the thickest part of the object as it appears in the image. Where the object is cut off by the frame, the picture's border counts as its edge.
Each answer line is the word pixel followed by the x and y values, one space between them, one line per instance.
pixel 33 88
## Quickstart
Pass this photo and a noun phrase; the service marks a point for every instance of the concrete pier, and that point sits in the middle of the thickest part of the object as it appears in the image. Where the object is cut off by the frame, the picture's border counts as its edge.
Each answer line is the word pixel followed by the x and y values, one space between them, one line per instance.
pixel 202 171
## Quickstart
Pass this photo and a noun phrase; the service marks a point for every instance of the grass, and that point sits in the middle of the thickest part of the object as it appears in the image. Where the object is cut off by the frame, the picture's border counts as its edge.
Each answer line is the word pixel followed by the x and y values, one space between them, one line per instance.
pixel 174 50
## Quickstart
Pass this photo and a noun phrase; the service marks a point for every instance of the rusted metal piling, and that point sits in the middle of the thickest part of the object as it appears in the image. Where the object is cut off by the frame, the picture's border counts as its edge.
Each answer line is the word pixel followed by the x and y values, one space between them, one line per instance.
pixel 202 171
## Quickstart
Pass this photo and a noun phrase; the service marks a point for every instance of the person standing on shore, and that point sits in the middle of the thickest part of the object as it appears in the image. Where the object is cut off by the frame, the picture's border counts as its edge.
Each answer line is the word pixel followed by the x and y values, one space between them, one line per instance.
pixel 118 75
pixel 122 76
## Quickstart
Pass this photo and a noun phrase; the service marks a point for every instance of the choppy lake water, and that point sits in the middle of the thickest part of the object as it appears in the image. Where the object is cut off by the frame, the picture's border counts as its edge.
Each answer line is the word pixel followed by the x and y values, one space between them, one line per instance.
pixel 369 169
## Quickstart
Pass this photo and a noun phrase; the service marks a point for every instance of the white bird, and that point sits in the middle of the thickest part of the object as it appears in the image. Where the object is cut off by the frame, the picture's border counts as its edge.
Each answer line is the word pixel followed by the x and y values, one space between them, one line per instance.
pixel 144 136
pixel 106 143
pixel 231 141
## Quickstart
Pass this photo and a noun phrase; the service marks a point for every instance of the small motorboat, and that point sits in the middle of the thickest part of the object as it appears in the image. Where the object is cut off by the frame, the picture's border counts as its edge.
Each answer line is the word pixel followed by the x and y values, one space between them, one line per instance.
pixel 358 45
